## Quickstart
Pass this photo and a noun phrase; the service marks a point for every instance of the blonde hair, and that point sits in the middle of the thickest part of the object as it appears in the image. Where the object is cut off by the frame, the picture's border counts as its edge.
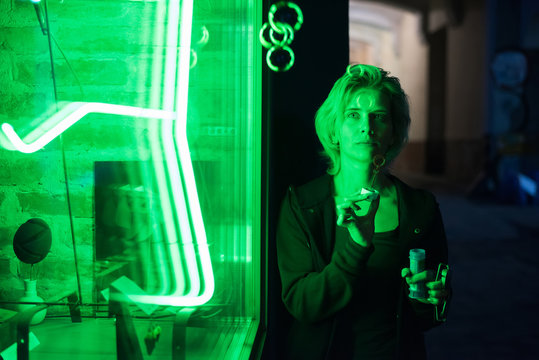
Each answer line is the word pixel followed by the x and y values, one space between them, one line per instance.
pixel 329 116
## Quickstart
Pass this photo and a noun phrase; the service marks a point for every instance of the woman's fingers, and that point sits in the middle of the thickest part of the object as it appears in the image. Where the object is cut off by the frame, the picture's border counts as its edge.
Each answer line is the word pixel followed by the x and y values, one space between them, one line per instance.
pixel 436 289
pixel 353 208
pixel 357 197
pixel 438 293
pixel 347 213
pixel 427 275
pixel 374 206
pixel 434 285
pixel 406 272
pixel 435 301
pixel 344 215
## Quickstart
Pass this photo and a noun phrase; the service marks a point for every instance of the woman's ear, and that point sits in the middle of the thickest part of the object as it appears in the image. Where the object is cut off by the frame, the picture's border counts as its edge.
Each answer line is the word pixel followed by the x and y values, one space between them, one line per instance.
pixel 336 136
pixel 335 139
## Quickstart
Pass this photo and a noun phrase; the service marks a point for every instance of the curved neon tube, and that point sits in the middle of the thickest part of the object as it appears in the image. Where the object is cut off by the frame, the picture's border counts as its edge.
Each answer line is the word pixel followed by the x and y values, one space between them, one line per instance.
pixel 177 153
pixel 44 134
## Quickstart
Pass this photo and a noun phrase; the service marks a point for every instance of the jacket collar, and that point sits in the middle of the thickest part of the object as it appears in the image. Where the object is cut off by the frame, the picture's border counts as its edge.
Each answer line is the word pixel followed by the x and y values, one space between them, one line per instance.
pixel 315 200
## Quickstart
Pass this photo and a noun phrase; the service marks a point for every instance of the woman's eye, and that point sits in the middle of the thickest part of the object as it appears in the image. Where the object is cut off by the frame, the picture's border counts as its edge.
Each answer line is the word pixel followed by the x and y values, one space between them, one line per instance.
pixel 380 117
pixel 352 115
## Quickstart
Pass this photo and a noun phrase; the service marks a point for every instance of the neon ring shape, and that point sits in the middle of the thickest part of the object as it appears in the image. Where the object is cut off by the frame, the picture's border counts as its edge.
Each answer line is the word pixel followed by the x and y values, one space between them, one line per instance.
pixel 265 43
pixel 276 68
pixel 205 36
pixel 281 6
pixel 181 206
pixel 288 35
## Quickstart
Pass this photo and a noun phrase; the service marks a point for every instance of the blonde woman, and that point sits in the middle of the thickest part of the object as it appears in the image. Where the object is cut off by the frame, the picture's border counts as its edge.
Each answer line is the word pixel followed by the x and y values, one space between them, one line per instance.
pixel 343 239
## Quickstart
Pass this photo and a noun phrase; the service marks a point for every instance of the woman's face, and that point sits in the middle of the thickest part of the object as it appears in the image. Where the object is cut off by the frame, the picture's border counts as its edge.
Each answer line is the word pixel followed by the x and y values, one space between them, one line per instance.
pixel 367 127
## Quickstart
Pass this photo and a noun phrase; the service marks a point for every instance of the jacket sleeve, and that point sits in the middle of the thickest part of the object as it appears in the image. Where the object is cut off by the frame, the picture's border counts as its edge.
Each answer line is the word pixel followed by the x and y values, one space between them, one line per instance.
pixel 436 248
pixel 311 295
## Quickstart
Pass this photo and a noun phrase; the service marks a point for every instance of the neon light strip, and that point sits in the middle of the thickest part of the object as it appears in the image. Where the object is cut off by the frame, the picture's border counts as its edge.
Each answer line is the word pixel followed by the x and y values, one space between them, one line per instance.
pixel 71 114
pixel 183 150
pixel 157 282
pixel 78 111
pixel 188 177
pixel 169 193
pixel 158 83
pixel 172 70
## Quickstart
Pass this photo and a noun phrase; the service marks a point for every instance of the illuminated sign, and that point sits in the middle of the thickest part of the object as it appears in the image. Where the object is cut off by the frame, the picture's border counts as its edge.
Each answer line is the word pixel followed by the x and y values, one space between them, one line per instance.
pixel 172 165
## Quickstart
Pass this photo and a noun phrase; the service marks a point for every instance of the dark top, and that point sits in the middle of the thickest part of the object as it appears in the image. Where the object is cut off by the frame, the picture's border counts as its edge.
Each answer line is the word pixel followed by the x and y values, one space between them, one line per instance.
pixel 374 332
pixel 348 300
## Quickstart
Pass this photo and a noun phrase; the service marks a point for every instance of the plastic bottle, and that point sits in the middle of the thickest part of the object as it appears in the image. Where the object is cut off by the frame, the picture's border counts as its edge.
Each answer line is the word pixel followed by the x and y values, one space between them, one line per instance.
pixel 417 265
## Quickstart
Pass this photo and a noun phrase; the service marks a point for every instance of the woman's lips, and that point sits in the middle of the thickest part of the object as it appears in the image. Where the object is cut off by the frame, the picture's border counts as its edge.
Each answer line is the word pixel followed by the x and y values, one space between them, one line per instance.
pixel 371 143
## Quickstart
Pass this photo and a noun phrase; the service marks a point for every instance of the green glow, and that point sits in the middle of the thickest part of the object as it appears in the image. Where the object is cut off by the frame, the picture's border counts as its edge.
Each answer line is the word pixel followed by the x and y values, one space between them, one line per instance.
pixel 288 36
pixel 177 147
pixel 174 193
pixel 156 143
pixel 176 182
pixel 193 59
pixel 67 117
pixel 265 43
pixel 357 77
pixel 274 67
pixel 205 36
pixel 281 5
pixel 284 29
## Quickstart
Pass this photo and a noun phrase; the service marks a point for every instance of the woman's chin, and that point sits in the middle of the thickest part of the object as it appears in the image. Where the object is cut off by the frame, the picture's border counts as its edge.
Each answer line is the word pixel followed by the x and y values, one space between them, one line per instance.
pixel 364 158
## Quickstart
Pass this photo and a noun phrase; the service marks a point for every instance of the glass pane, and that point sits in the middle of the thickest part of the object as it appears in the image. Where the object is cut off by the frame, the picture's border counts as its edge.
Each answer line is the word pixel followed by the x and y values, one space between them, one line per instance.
pixel 146 146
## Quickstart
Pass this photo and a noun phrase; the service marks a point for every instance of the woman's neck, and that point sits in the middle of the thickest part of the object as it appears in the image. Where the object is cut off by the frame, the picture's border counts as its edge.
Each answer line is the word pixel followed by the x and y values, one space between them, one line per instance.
pixel 352 178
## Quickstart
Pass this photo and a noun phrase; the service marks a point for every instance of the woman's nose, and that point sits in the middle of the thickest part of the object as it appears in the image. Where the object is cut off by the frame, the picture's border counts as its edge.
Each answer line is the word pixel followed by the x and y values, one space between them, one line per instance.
pixel 365 125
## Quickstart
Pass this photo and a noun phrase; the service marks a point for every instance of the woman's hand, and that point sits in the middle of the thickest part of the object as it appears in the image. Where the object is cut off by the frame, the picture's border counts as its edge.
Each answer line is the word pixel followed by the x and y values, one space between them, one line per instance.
pixel 436 289
pixel 351 215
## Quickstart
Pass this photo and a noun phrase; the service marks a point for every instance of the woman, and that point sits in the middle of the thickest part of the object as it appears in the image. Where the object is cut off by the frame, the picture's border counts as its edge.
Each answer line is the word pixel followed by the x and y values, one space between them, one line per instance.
pixel 343 239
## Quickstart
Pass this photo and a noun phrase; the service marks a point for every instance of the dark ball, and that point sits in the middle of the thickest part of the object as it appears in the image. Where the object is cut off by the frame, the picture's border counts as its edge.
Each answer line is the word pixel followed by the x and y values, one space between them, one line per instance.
pixel 32 241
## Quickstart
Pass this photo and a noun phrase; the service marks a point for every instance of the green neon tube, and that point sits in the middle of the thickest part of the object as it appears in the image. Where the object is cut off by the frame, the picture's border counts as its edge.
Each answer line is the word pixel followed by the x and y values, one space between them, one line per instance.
pixel 184 202
pixel 156 145
pixel 173 67
pixel 285 4
pixel 179 149
pixel 61 121
pixel 183 149
pixel 276 68
pixel 172 193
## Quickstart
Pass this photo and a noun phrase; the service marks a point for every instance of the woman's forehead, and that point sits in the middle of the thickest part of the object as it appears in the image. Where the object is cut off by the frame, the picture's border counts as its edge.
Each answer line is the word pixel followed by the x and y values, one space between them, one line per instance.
pixel 368 99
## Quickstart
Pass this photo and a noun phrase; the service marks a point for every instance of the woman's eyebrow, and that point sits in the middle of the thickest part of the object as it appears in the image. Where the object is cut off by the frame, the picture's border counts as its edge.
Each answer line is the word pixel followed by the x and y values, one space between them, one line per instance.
pixel 380 109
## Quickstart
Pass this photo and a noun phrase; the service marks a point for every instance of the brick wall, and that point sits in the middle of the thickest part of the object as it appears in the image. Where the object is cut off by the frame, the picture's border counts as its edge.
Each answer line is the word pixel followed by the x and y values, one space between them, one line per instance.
pixel 108 45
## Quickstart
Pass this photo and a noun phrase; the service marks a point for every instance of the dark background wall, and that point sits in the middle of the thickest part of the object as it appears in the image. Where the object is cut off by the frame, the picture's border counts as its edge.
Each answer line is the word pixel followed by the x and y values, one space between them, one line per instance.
pixel 457 155
pixel 321 49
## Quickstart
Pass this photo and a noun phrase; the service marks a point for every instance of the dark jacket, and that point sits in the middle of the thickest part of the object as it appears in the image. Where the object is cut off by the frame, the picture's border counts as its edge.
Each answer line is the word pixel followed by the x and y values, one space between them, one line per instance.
pixel 319 282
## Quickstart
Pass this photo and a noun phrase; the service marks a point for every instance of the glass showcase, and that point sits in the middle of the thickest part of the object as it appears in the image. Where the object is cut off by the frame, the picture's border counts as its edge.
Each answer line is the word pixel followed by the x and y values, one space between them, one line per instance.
pixel 133 131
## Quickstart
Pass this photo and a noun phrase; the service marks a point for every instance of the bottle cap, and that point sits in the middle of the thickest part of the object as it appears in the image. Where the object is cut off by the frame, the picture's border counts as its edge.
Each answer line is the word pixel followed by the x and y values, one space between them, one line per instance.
pixel 417 254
